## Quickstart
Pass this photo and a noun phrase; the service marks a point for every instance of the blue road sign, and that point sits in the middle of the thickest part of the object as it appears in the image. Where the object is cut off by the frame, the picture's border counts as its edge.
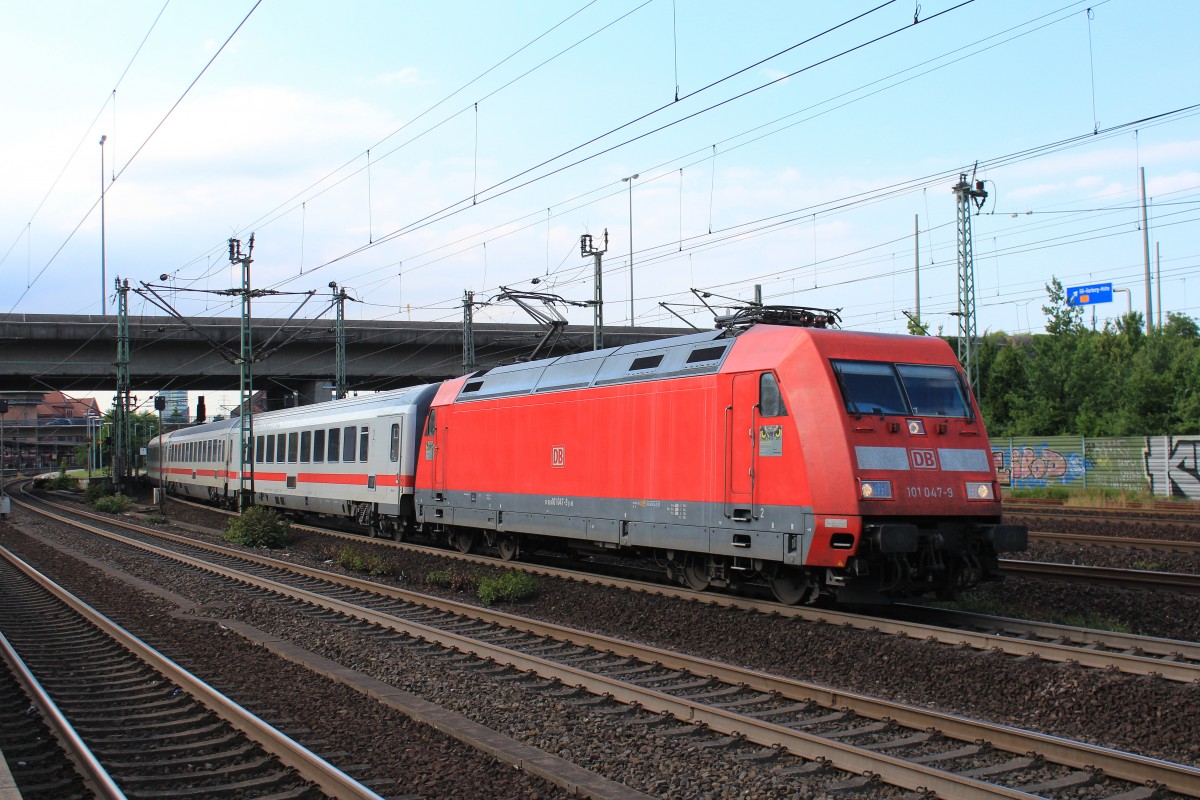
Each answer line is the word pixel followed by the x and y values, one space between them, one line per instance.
pixel 1089 295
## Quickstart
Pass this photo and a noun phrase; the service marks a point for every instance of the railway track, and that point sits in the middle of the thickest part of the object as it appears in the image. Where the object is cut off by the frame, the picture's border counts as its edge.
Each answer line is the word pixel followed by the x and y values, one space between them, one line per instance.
pixel 1184 518
pixel 1182 583
pixel 134 723
pixel 917 749
pixel 1129 653
pixel 1132 542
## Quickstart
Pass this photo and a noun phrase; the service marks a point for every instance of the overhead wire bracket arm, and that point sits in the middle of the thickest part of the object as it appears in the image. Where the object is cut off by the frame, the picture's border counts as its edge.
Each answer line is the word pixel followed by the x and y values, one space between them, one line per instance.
pixel 158 300
pixel 264 351
pixel 667 306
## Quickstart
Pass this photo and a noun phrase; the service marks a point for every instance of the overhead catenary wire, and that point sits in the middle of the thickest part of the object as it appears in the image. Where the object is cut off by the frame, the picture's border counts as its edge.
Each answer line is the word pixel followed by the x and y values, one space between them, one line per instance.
pixel 110 98
pixel 1039 21
pixel 459 206
pixel 1006 32
pixel 139 149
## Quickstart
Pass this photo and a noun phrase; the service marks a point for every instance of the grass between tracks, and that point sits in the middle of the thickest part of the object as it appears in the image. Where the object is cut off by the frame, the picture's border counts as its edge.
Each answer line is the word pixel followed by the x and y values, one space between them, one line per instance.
pixel 491 587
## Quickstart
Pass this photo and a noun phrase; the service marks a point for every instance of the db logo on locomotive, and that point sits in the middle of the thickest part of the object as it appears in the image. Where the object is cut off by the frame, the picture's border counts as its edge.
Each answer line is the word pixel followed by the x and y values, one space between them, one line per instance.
pixel 923 459
pixel 558 456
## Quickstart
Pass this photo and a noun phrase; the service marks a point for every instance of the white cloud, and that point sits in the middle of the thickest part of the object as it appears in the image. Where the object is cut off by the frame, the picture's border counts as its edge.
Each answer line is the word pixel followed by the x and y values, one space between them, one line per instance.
pixel 1036 190
pixel 408 76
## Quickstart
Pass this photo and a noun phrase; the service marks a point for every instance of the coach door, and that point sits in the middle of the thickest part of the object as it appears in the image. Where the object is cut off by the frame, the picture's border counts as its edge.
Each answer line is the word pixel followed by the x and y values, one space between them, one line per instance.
pixel 739 448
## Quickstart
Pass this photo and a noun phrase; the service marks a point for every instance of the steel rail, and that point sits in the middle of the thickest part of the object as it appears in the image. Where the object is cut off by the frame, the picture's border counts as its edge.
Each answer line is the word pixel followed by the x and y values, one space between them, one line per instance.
pixel 1163 516
pixel 1087 638
pixel 1098 540
pixel 1123 578
pixel 1124 653
pixel 93 772
pixel 307 764
pixel 1126 766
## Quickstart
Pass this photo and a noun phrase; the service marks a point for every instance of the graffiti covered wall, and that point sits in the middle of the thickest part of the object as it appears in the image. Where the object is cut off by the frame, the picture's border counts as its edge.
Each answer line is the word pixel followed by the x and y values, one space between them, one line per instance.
pixel 1168 466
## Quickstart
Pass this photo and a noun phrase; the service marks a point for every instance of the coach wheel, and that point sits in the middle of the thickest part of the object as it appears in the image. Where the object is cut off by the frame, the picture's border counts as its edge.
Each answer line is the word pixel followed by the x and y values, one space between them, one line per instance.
pixel 793 588
pixel 695 574
pixel 508 546
pixel 464 540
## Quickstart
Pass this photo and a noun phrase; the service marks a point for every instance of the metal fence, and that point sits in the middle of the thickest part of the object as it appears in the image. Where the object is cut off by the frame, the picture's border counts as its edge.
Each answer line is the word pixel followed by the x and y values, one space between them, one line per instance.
pixel 1167 466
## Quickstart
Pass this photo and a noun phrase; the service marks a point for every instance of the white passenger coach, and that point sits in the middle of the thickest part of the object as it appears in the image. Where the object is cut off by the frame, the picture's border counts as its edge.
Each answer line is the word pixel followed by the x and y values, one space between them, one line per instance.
pixel 348 458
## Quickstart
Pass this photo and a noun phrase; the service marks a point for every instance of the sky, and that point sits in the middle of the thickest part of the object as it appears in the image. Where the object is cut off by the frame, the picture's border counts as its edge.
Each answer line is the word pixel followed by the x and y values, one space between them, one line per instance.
pixel 413 151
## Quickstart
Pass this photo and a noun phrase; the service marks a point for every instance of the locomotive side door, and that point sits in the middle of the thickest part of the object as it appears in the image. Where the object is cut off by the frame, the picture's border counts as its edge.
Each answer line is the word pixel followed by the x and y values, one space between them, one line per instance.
pixel 435 451
pixel 739 447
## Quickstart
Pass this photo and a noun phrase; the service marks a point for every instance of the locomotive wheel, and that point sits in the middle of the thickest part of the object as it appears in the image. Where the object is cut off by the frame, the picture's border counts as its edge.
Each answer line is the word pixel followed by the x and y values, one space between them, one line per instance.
pixel 464 540
pixel 509 547
pixel 695 574
pixel 792 588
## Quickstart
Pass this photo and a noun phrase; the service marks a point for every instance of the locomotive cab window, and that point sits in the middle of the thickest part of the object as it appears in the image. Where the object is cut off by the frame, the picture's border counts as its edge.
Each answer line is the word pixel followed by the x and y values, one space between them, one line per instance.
pixel 394 451
pixel 928 390
pixel 869 387
pixel 431 422
pixel 934 391
pixel 770 401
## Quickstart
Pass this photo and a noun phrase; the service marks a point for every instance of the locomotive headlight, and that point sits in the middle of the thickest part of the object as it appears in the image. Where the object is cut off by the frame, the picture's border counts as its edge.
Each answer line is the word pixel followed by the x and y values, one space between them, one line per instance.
pixel 980 490
pixel 877 490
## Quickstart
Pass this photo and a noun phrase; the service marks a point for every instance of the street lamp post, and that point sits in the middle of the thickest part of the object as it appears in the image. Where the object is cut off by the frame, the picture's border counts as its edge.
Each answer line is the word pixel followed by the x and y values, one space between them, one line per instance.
pixel 103 280
pixel 630 181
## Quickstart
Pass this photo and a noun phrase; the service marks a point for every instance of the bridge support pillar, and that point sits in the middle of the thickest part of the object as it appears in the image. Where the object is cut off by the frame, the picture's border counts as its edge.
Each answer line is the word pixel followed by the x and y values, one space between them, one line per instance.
pixel 314 392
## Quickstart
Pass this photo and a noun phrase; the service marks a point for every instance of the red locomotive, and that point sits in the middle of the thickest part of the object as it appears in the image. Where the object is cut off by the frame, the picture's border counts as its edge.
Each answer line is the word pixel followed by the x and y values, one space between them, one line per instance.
pixel 819 461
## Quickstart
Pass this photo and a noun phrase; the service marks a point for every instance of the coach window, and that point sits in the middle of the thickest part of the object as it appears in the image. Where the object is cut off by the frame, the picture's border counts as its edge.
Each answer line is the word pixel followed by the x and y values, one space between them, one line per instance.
pixel 770 401
pixel 271 449
pixel 293 447
pixel 319 446
pixel 258 450
pixel 305 445
pixel 364 438
pixel 348 443
pixel 335 444
pixel 281 448
pixel 395 448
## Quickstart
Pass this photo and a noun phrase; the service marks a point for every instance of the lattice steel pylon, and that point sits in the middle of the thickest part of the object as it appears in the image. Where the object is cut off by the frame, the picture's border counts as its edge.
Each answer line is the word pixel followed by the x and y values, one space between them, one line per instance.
pixel 245 376
pixel 122 454
pixel 468 331
pixel 339 379
pixel 968 343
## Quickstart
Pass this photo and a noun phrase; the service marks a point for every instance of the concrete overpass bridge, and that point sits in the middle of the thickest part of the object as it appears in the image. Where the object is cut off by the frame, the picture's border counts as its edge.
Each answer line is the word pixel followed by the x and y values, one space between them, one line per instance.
pixel 77 354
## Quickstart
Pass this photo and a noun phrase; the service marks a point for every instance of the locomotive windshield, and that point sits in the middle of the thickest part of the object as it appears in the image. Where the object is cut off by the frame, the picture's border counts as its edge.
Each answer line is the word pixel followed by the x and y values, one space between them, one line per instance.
pixel 871 387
